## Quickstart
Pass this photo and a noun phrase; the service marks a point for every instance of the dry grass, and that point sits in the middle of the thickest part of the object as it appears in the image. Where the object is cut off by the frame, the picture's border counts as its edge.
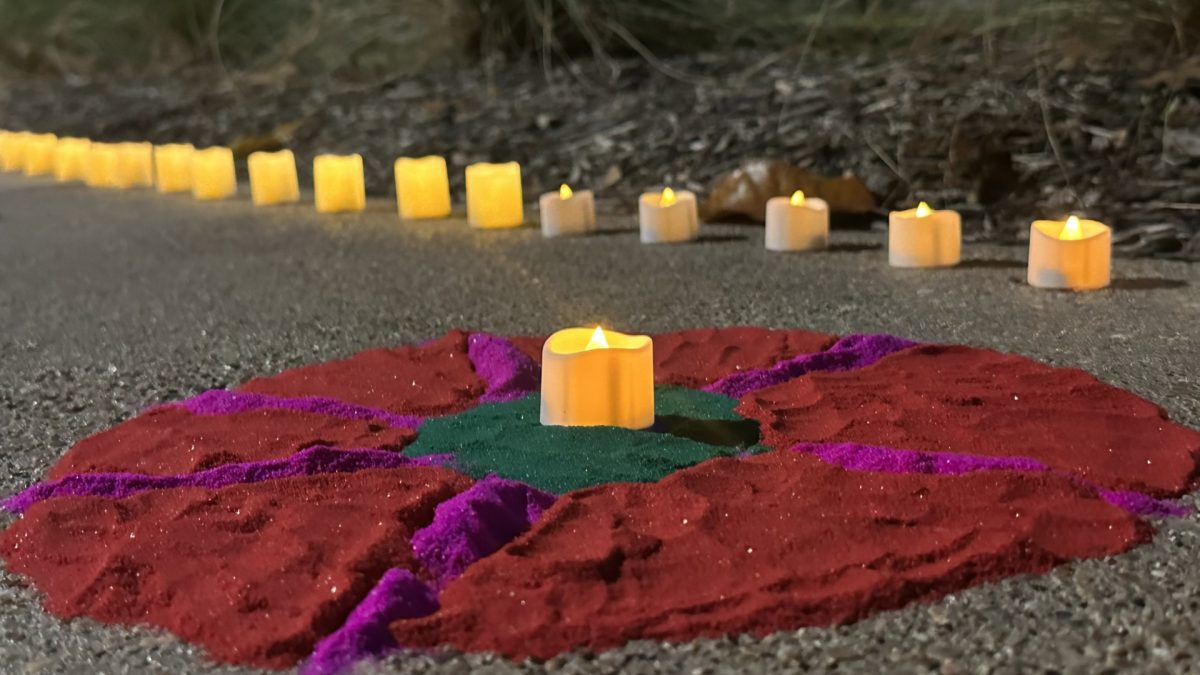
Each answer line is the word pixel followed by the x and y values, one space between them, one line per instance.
pixel 369 37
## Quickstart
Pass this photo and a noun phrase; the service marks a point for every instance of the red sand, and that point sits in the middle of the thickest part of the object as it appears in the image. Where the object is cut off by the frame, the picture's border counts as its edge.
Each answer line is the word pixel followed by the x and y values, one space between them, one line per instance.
pixel 977 401
pixel 169 440
pixel 695 358
pixel 758 545
pixel 256 573
pixel 431 379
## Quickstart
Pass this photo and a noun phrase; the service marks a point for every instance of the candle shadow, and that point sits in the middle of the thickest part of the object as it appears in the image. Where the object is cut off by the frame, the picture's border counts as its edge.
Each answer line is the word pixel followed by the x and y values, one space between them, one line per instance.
pixel 990 263
pixel 853 248
pixel 1125 284
pixel 729 433
pixel 718 238
pixel 603 233
pixel 1146 283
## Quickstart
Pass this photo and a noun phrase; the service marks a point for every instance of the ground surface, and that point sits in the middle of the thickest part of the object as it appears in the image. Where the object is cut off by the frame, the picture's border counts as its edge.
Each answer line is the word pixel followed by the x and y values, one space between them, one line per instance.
pixel 1002 134
pixel 113 301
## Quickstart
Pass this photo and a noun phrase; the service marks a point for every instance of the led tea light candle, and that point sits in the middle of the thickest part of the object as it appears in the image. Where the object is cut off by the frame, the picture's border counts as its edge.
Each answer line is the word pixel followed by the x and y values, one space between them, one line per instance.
pixel 39 154
pixel 338 183
pixel 1074 254
pixel 567 212
pixel 70 159
pixel 422 187
pixel 5 135
pixel 100 166
pixel 797 223
pixel 213 174
pixel 135 164
pixel 273 178
pixel 597 378
pixel 13 157
pixel 494 195
pixel 668 217
pixel 923 237
pixel 173 167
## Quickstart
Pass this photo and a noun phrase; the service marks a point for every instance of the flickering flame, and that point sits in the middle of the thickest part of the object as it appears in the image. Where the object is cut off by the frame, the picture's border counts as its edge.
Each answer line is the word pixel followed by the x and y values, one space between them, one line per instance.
pixel 923 210
pixel 564 191
pixel 668 197
pixel 1071 230
pixel 598 340
pixel 797 198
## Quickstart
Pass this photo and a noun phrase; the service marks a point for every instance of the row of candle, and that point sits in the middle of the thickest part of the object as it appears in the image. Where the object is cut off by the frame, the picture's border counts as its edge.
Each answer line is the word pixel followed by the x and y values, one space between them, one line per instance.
pixel 1072 253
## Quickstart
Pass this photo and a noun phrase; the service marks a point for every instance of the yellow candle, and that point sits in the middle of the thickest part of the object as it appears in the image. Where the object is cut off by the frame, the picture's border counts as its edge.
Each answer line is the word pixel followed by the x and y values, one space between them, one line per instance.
pixel 100 166
pixel 494 195
pixel 797 223
pixel 597 378
pixel 173 167
pixel 5 136
pixel 923 237
pixel 135 165
pixel 422 187
pixel 566 211
pixel 70 159
pixel 273 178
pixel 213 175
pixel 338 183
pixel 13 157
pixel 1071 253
pixel 668 217
pixel 39 154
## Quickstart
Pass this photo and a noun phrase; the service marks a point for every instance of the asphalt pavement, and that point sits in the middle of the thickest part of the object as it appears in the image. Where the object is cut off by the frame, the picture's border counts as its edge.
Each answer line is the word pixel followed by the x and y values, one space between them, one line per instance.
pixel 111 301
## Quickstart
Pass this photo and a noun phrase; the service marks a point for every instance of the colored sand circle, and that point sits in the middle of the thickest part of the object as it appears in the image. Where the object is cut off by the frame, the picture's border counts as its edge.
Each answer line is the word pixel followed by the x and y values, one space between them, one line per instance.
pixel 508 440
pixel 408 497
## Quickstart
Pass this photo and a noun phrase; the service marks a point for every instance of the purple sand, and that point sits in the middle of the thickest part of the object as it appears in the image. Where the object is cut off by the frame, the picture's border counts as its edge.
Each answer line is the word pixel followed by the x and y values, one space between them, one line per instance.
pixel 476 523
pixel 316 459
pixel 225 402
pixel 858 457
pixel 398 595
pixel 848 353
pixel 508 371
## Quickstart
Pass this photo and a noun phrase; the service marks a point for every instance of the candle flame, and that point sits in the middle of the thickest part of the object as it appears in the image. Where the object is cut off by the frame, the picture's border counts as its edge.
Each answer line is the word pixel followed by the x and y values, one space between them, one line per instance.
pixel 598 340
pixel 1071 230
pixel 668 197
pixel 797 198
pixel 564 191
pixel 923 210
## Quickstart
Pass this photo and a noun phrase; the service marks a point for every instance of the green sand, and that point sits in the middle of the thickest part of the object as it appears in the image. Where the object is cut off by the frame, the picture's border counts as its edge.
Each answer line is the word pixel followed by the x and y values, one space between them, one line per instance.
pixel 508 439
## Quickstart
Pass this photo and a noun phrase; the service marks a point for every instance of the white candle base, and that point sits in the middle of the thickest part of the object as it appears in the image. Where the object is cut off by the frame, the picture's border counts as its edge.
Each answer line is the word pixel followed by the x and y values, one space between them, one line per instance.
pixel 574 215
pixel 797 227
pixel 934 240
pixel 671 224
pixel 1083 264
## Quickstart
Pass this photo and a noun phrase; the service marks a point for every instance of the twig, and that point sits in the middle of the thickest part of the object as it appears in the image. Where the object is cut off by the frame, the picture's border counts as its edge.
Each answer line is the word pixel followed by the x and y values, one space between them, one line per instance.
pixel 1050 137
pixel 649 56
pixel 886 159
pixel 214 40
pixel 547 20
pixel 1173 206
pixel 804 50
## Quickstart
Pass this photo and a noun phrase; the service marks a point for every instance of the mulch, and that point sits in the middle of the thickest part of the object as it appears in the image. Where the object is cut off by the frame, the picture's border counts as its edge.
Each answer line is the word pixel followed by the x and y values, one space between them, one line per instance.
pixel 1003 136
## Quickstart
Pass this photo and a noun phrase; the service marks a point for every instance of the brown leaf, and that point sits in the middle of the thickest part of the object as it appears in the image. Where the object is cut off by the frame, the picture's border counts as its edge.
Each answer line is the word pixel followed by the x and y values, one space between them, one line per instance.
pixel 745 190
pixel 1176 77
pixel 277 139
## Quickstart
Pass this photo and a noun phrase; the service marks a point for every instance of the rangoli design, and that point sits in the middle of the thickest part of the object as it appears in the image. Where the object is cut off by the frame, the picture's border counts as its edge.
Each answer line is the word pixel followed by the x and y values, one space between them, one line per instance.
pixel 409 498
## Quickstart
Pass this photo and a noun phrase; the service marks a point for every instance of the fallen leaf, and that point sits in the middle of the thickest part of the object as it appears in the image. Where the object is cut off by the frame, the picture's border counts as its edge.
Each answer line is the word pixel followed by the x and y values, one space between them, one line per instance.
pixel 277 139
pixel 1176 77
pixel 745 190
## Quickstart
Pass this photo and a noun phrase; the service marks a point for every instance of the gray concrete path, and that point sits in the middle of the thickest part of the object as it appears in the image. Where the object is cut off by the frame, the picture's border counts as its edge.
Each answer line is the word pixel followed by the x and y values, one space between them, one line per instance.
pixel 110 301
